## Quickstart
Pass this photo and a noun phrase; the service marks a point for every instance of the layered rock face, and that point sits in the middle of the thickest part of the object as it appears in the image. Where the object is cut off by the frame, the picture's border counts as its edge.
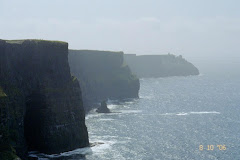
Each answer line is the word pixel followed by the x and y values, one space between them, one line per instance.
pixel 40 100
pixel 103 75
pixel 159 65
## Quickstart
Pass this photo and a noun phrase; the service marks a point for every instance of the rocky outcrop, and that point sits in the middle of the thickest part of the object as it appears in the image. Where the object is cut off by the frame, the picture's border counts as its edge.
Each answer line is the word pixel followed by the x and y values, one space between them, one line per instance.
pixel 103 108
pixel 102 75
pixel 159 65
pixel 40 102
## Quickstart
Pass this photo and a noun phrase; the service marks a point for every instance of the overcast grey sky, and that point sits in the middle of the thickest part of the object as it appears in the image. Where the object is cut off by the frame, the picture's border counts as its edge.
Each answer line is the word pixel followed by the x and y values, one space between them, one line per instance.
pixel 188 27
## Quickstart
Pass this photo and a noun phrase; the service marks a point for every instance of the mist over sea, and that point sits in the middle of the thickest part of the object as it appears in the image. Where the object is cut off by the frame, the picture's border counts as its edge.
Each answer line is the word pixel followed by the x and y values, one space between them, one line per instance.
pixel 172 118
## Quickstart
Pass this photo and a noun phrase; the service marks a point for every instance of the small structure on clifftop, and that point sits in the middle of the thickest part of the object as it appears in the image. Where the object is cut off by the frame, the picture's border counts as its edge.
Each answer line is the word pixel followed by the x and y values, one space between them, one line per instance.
pixel 103 108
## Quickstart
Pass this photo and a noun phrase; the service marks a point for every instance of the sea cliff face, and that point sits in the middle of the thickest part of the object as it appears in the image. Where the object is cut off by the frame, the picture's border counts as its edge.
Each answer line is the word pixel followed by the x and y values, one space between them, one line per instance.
pixel 159 65
pixel 40 102
pixel 103 75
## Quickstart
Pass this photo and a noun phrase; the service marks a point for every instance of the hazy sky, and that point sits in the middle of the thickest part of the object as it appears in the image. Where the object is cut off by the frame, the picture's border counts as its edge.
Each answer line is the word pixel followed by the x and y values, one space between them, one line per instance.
pixel 188 27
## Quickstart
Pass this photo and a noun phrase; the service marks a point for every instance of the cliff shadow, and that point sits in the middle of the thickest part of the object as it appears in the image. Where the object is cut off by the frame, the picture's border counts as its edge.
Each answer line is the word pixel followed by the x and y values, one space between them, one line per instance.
pixel 34 120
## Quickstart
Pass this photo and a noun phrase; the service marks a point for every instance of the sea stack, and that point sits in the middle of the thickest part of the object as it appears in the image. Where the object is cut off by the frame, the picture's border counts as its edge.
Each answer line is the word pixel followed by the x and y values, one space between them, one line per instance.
pixel 103 108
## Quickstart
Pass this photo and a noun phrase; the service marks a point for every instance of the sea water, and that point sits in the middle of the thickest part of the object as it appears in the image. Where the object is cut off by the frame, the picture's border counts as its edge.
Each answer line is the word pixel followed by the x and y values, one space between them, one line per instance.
pixel 175 118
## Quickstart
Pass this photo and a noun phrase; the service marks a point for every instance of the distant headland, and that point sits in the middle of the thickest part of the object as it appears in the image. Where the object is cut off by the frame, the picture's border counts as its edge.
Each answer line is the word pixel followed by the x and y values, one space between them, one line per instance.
pixel 146 66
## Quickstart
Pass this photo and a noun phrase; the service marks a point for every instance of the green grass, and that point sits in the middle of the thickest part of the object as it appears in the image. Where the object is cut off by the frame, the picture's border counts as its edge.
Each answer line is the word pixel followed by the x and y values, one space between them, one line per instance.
pixel 2 94
pixel 74 78
pixel 7 155
pixel 34 40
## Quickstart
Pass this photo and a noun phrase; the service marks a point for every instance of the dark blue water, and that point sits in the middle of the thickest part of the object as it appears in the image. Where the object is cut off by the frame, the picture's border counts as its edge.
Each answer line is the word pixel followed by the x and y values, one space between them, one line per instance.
pixel 172 118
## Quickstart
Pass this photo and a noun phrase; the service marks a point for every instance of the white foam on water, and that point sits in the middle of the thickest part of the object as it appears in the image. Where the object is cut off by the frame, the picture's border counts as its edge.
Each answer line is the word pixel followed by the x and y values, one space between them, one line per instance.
pixel 101 148
pixel 167 114
pixel 130 111
pixel 131 102
pixel 213 112
pixel 106 119
pixel 92 115
pixel 191 113
pixel 100 138
pixel 112 106
pixel 182 114
pixel 83 151
pixel 79 151
pixel 116 112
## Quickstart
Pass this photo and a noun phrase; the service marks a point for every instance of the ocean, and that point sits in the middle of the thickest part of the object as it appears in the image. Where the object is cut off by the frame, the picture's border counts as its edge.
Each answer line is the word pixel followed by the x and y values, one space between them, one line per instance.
pixel 175 118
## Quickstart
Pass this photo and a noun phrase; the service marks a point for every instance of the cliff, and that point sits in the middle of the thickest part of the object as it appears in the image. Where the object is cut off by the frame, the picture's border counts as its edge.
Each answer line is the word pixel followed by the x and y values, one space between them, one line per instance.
pixel 103 75
pixel 160 65
pixel 40 102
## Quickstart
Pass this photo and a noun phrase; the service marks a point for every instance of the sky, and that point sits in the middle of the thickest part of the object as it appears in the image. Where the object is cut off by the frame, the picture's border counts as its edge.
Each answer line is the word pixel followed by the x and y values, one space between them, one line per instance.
pixel 192 28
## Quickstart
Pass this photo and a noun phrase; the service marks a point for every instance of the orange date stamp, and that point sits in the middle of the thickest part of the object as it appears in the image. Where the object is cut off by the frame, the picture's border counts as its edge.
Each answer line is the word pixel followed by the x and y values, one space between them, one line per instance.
pixel 212 147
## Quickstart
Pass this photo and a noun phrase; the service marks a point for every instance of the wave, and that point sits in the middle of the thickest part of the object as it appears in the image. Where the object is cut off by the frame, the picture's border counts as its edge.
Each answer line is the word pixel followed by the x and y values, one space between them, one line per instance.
pixel 105 145
pixel 100 147
pixel 182 114
pixel 79 151
pixel 213 112
pixel 92 115
pixel 190 113
pixel 130 111
pixel 106 119
pixel 130 102
pixel 113 106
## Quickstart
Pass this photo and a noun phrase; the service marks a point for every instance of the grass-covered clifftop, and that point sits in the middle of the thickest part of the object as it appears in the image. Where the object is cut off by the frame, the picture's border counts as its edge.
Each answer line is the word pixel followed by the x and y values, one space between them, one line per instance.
pixel 20 41
pixel 103 75
pixel 40 102
pixel 160 65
